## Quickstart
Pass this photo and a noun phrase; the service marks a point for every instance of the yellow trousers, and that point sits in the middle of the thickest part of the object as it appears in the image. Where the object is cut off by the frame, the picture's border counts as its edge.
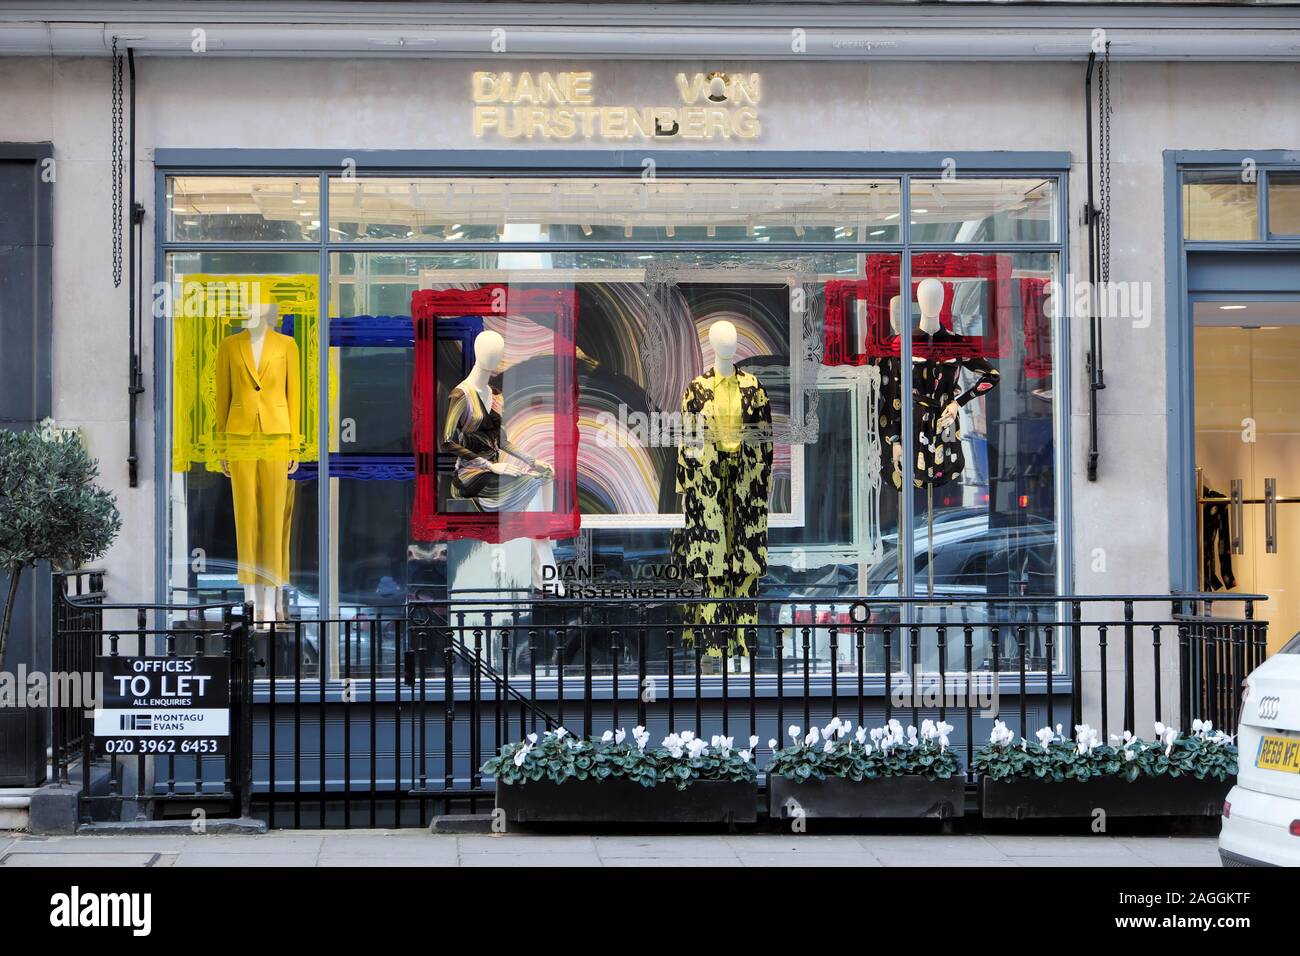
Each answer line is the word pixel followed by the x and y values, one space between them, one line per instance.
pixel 263 510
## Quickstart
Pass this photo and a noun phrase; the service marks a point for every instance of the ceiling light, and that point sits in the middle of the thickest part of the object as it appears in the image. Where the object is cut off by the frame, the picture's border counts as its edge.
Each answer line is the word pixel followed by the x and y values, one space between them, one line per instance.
pixel 876 232
pixel 713 231
pixel 586 229
pixel 1231 308
pixel 299 202
pixel 671 230
pixel 920 210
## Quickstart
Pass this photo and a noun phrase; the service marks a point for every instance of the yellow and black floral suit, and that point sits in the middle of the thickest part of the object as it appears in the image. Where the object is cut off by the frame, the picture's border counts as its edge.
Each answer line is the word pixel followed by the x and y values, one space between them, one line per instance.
pixel 724 486
pixel 260 398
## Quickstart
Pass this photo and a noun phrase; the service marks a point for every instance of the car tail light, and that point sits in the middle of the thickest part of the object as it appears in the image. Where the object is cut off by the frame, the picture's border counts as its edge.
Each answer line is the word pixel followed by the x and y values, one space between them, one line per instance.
pixel 1295 827
pixel 1227 809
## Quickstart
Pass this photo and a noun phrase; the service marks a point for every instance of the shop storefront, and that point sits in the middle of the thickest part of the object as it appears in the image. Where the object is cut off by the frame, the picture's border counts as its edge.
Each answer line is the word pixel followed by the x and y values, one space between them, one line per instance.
pixel 717 329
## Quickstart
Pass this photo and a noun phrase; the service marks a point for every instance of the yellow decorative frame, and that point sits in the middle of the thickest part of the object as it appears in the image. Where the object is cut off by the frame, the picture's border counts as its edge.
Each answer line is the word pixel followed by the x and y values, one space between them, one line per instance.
pixel 206 308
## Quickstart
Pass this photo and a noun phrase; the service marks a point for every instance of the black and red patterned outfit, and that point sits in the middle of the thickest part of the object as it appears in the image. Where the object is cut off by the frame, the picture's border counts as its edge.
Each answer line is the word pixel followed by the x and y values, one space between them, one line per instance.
pixel 935 383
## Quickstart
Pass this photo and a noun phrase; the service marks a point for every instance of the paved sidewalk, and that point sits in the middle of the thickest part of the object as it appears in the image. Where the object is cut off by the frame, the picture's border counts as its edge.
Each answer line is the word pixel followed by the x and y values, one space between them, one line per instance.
pixel 419 848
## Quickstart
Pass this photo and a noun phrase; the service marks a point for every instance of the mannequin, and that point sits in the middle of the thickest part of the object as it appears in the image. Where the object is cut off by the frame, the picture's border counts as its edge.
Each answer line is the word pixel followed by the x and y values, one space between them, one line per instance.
pixel 491 473
pixel 258 393
pixel 937 401
pixel 724 473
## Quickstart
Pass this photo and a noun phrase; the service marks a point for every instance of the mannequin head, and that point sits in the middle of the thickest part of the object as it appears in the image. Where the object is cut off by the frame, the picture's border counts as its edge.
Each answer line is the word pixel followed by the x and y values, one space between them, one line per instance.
pixel 489 350
pixel 895 312
pixel 262 316
pixel 929 296
pixel 722 336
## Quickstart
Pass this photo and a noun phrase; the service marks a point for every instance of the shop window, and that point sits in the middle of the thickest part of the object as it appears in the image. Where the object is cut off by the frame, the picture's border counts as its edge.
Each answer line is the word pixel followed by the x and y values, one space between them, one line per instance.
pixel 983 210
pixel 243 209
pixel 1219 205
pixel 1284 204
pixel 816 367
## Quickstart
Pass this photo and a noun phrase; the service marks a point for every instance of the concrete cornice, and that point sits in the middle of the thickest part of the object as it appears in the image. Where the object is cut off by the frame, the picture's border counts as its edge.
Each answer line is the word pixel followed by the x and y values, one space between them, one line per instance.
pixel 821 30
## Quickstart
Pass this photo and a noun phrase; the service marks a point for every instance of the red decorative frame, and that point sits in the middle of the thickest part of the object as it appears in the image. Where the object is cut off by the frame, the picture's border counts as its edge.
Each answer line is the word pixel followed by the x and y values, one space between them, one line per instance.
pixel 1038 328
pixel 881 284
pixel 555 307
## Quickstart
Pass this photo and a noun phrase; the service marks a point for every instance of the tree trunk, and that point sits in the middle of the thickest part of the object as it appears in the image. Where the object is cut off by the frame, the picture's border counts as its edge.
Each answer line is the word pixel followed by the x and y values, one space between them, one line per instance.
pixel 14 573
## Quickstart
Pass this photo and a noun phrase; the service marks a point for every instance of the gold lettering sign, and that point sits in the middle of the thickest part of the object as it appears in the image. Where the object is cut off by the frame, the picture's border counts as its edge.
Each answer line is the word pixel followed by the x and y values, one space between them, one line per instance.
pixel 562 106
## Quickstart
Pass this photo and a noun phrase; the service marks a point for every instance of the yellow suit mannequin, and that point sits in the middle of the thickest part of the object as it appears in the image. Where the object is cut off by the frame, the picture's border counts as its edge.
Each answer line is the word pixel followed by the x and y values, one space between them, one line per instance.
pixel 260 395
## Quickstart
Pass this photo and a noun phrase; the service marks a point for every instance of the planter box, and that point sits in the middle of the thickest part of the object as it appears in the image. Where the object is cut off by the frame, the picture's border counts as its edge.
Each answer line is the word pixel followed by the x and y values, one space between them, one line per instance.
pixel 22 746
pixel 622 801
pixel 898 798
pixel 1145 797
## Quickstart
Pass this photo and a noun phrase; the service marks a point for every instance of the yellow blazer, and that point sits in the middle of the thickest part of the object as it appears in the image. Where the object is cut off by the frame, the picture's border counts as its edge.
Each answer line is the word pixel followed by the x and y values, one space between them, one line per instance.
pixel 258 398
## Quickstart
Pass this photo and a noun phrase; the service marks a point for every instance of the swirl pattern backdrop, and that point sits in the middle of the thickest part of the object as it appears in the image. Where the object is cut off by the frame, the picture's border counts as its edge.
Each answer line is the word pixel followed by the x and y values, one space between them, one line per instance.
pixel 625 459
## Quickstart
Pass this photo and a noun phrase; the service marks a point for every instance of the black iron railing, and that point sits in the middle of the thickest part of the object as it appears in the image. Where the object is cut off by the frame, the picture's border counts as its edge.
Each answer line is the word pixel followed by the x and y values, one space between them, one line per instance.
pixel 384 721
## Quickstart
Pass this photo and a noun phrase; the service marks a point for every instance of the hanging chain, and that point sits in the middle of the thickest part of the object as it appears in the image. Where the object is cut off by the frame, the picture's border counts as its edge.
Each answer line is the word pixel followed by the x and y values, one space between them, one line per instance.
pixel 118 154
pixel 1104 143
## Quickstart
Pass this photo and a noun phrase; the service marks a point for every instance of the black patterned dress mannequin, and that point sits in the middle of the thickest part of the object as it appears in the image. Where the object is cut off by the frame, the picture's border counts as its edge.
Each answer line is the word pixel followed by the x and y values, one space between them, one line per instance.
pixel 936 382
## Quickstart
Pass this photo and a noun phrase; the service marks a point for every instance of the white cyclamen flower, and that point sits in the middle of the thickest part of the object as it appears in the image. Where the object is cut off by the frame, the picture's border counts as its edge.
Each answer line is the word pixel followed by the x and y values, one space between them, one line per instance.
pixel 1001 736
pixel 794 733
pixel 1045 737
pixel 607 736
pixel 532 738
pixel 522 754
pixel 944 729
pixel 828 748
pixel 695 747
pixel 620 735
pixel 745 755
pixel 753 741
pixel 673 744
pixel 771 744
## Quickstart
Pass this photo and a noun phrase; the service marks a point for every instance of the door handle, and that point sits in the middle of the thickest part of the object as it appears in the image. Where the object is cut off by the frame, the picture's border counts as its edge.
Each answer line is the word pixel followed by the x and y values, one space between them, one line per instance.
pixel 1235 509
pixel 1270 515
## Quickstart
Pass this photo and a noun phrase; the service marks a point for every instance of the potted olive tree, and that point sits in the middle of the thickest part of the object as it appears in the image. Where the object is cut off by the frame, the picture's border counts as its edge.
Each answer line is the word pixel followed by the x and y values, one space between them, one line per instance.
pixel 1055 776
pixel 620 778
pixel 52 511
pixel 888 772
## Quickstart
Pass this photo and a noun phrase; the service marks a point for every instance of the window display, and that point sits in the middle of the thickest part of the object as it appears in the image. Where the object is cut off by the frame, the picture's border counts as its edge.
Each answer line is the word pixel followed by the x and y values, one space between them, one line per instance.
pixel 590 419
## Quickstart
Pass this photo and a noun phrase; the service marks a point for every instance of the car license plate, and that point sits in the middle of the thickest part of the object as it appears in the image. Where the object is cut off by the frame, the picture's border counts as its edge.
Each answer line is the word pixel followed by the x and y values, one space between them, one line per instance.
pixel 1279 753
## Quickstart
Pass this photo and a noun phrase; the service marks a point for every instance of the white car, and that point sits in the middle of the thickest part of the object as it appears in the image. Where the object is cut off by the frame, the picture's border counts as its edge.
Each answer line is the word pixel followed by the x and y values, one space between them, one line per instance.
pixel 1261 817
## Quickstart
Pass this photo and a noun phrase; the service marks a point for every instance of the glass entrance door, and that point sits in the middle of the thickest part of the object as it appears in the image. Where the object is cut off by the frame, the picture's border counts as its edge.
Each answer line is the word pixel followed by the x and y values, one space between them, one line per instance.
pixel 1247 390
